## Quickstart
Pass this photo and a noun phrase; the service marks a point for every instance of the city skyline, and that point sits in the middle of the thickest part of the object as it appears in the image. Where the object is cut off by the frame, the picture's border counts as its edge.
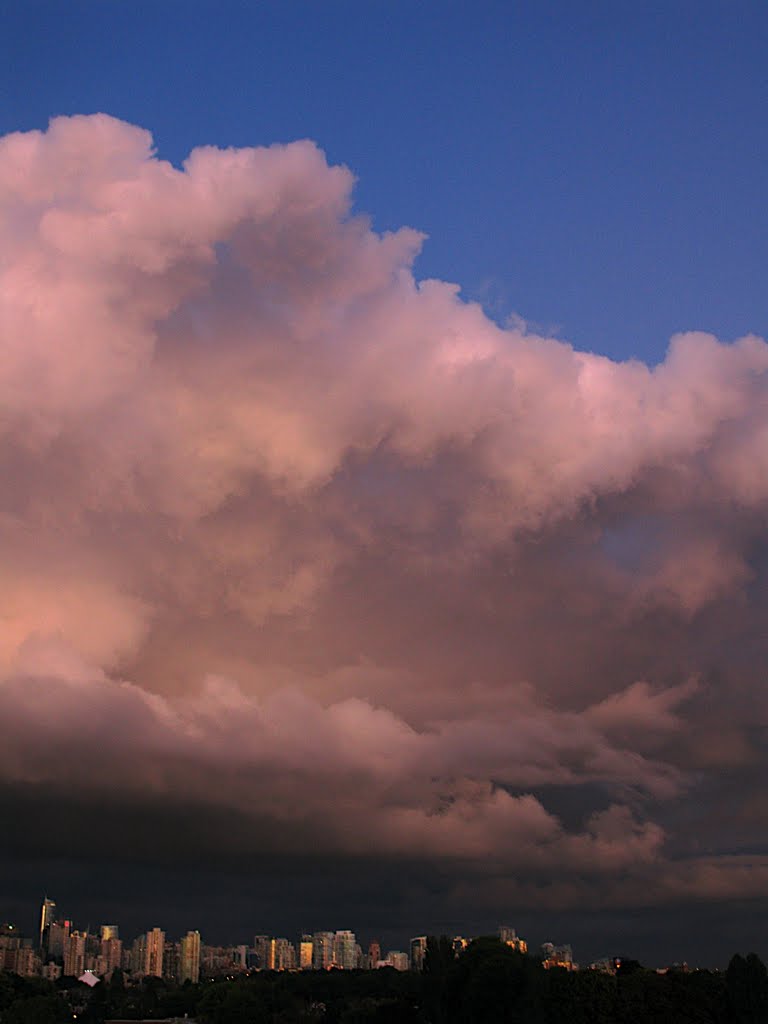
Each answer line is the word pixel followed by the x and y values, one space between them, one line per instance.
pixel 384 461
pixel 64 949
pixel 156 952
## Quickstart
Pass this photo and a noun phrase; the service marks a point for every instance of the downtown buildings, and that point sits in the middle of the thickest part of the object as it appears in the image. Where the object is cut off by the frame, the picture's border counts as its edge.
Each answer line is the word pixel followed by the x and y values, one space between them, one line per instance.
pixel 63 950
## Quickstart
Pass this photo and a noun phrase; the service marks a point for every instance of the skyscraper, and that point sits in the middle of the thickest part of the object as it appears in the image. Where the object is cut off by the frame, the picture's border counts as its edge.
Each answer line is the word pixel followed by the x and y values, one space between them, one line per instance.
pixel 374 955
pixel 110 955
pixel 305 953
pixel 47 916
pixel 172 962
pixel 345 950
pixel 137 956
pixel 261 950
pixel 283 955
pixel 153 953
pixel 74 954
pixel 189 958
pixel 322 950
pixel 57 934
pixel 25 963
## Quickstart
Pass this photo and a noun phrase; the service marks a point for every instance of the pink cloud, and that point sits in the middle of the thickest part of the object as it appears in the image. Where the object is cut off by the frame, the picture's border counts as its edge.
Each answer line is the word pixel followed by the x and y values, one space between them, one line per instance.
pixel 277 513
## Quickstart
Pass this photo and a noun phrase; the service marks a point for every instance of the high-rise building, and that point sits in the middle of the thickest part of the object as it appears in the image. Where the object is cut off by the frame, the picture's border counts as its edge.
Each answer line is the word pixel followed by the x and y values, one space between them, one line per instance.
pixel 189 958
pixel 322 950
pixel 109 931
pixel 345 950
pixel 172 962
pixel 26 962
pixel 10 936
pixel 153 953
pixel 11 949
pixel 283 955
pixel 74 954
pixel 137 957
pixel 47 917
pixel 110 954
pixel 92 949
pixel 397 960
pixel 57 934
pixel 305 953
pixel 374 955
pixel 261 945
pixel 418 952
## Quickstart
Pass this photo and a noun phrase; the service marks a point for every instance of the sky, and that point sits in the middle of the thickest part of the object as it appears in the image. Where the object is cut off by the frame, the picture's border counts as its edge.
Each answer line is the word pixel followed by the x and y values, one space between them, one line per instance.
pixel 384 446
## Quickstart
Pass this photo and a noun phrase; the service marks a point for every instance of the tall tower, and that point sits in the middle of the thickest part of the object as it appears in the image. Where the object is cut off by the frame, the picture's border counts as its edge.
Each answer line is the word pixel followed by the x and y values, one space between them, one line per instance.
pixel 74 954
pixel 261 949
pixel 47 915
pixel 284 955
pixel 153 953
pixel 189 958
pixel 110 954
pixel 322 950
pixel 305 953
pixel 137 955
pixel 57 936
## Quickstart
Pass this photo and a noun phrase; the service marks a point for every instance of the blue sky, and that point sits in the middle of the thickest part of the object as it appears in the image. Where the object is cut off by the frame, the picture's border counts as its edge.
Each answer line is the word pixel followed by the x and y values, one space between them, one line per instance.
pixel 596 168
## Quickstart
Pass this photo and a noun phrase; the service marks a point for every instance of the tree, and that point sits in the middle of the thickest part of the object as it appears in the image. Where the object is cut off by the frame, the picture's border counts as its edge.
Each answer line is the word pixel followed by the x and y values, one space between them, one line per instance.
pixel 491 982
pixel 36 1010
pixel 438 961
pixel 747 989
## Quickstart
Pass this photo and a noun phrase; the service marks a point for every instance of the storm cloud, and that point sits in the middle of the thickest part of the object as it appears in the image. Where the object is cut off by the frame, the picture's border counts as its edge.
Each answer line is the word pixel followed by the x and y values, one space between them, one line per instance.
pixel 289 533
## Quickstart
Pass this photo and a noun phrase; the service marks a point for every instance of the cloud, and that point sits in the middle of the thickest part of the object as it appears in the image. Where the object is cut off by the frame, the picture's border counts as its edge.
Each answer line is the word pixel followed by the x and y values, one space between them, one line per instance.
pixel 288 531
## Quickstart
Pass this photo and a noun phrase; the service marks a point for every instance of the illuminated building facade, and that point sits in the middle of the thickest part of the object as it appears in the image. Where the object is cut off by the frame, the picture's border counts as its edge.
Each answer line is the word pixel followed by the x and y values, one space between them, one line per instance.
pixel 189 958
pixel 557 956
pixel 510 938
pixel 322 950
pixel 398 960
pixel 47 917
pixel 374 955
pixel 153 953
pixel 74 955
pixel 305 953
pixel 345 950
pixel 56 940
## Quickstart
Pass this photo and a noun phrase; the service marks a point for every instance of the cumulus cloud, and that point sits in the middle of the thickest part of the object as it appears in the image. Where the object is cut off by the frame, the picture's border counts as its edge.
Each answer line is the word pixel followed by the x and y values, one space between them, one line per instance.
pixel 288 530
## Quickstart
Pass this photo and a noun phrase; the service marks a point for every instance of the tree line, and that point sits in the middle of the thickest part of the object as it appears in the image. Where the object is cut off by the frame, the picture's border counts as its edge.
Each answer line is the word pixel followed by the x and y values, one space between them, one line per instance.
pixel 489 983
